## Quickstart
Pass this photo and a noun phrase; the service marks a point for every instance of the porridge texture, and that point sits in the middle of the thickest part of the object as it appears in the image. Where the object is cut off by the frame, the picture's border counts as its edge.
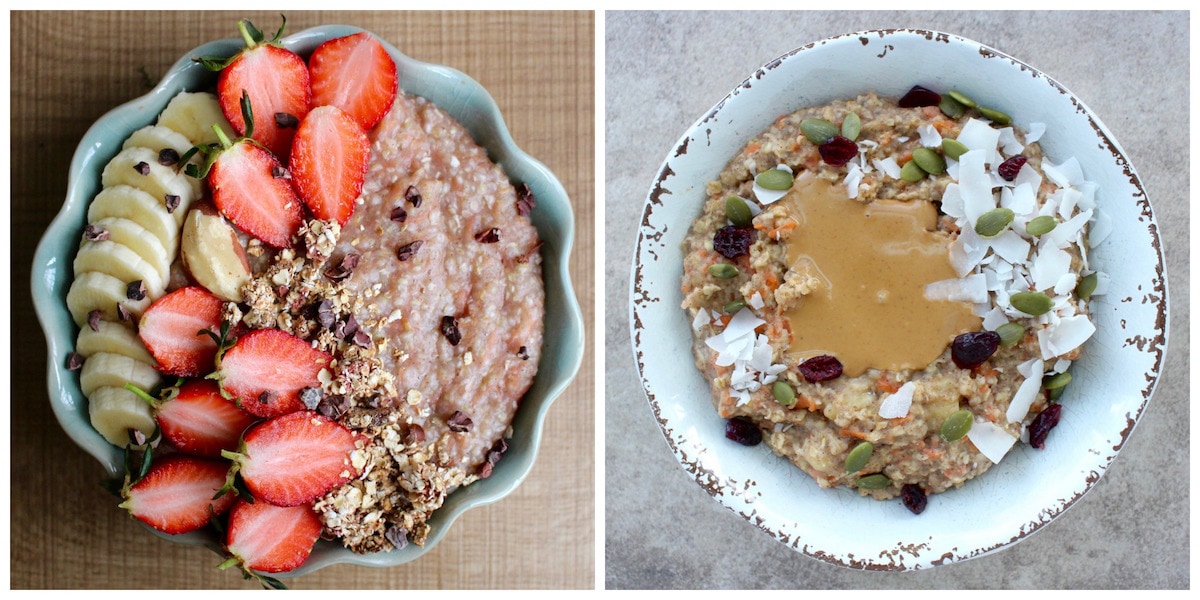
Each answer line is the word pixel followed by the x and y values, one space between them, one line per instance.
pixel 886 312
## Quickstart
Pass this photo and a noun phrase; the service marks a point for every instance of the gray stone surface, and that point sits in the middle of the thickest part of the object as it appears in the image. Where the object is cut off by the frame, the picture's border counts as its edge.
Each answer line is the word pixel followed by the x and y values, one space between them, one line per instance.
pixel 663 71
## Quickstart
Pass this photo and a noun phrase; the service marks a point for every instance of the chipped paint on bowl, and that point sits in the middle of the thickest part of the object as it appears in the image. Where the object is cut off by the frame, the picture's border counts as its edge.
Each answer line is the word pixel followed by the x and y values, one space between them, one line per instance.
pixel 465 100
pixel 1112 383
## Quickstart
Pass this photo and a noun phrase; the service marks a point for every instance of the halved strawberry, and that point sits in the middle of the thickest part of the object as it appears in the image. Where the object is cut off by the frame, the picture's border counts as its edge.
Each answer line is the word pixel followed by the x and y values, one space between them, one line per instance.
pixel 277 82
pixel 356 74
pixel 174 330
pixel 200 421
pixel 271 539
pixel 266 370
pixel 329 162
pixel 295 458
pixel 176 495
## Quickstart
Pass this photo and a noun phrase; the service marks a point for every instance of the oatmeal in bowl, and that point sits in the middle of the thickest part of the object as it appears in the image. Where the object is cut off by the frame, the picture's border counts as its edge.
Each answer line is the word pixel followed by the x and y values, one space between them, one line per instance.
pixel 349 303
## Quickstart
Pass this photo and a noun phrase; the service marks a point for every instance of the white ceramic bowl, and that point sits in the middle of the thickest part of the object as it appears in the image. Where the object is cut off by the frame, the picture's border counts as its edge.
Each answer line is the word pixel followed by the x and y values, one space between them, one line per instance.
pixel 452 91
pixel 1112 382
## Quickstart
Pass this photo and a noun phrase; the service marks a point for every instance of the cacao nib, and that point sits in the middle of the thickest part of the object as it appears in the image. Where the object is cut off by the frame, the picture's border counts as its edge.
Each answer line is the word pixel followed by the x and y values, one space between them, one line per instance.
pixel 344 268
pixel 325 314
pixel 414 435
pixel 1008 169
pixel 280 172
pixel 172 202
pixel 450 330
pixel 821 368
pixel 123 313
pixel 523 353
pixel 397 535
pixel 488 236
pixel 286 120
pixel 732 241
pixel 74 361
pixel 413 196
pixel 399 215
pixel 914 498
pixel 93 233
pixel 143 168
pixel 837 151
pixel 525 200
pixel 361 339
pixel 168 157
pixel 919 96
pixel 459 422
pixel 266 397
pixel 1041 425
pixel 135 290
pixel 333 406
pixel 94 319
pixel 743 431
pixel 972 348
pixel 409 250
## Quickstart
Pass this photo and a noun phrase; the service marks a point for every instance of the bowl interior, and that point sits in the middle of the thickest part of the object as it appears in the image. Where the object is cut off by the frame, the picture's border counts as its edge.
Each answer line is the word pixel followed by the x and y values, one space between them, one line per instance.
pixel 452 91
pixel 1112 382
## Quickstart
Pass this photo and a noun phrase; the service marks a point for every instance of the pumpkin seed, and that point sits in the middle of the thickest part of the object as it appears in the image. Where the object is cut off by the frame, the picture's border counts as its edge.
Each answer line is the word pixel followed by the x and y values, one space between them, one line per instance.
pixel 995 116
pixel 1010 333
pixel 1041 225
pixel 1056 393
pixel 993 222
pixel 912 172
pixel 858 457
pixel 962 98
pixel 851 126
pixel 952 108
pixel 1086 286
pixel 818 131
pixel 735 306
pixel 1031 303
pixel 957 425
pixel 784 394
pixel 723 271
pixel 737 211
pixel 931 162
pixel 878 481
pixel 954 148
pixel 775 179
pixel 1057 380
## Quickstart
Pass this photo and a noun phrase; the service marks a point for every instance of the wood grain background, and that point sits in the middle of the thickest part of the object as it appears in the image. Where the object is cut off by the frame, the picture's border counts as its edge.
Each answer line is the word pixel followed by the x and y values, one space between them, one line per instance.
pixel 68 69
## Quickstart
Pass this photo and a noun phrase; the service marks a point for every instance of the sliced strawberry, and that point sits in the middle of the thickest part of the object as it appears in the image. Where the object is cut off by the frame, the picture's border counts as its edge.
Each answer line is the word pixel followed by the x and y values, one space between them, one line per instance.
pixel 329 162
pixel 356 74
pixel 173 330
pixel 277 82
pixel 248 188
pixel 200 421
pixel 176 495
pixel 271 539
pixel 296 458
pixel 266 370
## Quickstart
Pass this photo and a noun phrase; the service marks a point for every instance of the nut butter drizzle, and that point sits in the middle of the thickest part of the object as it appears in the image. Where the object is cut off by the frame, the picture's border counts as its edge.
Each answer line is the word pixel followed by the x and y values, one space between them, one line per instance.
pixel 873 261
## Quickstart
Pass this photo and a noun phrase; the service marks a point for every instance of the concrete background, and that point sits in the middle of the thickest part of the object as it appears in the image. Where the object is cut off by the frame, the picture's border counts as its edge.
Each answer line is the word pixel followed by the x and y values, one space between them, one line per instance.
pixel 663 71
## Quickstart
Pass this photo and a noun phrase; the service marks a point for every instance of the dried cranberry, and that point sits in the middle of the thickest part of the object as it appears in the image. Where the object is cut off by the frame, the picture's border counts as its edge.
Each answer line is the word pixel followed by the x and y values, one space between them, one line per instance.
pixel 743 431
pixel 1009 168
pixel 919 96
pixel 837 151
pixel 821 368
pixel 1042 424
pixel 732 241
pixel 971 349
pixel 914 498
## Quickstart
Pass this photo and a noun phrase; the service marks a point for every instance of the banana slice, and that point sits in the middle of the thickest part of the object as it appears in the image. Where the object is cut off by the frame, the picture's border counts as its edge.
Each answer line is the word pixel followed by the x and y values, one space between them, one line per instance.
pixel 128 233
pixel 126 202
pixel 121 262
pixel 193 114
pixel 112 338
pixel 160 181
pixel 116 410
pixel 114 370
pixel 94 290
pixel 213 254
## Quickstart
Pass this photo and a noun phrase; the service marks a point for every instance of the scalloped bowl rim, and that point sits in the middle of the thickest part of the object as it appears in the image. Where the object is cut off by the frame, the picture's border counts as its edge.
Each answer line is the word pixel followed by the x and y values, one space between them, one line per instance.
pixel 470 104
pixel 768 491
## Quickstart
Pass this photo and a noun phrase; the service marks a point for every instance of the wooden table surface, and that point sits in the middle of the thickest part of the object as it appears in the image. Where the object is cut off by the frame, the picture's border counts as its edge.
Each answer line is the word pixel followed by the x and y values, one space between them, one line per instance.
pixel 68 69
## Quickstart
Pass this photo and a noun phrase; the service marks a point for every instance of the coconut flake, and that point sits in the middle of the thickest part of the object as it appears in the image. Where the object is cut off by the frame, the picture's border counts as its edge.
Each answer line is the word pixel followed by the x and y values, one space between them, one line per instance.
pixel 1071 332
pixel 972 288
pixel 992 441
pixel 1010 246
pixel 756 301
pixel 1063 175
pixel 1035 132
pixel 896 405
pixel 979 135
pixel 930 138
pixel 1008 142
pixel 888 165
pixel 854 177
pixel 1025 395
pixel 1049 265
pixel 994 319
pixel 975 185
pixel 702 319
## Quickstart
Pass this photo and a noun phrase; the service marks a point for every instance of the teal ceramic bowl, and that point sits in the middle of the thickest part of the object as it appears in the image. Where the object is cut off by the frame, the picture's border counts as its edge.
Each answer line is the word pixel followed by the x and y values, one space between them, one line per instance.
pixel 465 100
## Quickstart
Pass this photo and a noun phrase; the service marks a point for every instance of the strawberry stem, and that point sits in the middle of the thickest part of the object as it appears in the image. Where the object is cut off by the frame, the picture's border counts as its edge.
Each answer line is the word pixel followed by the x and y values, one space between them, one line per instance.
pixel 140 393
pixel 247 35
